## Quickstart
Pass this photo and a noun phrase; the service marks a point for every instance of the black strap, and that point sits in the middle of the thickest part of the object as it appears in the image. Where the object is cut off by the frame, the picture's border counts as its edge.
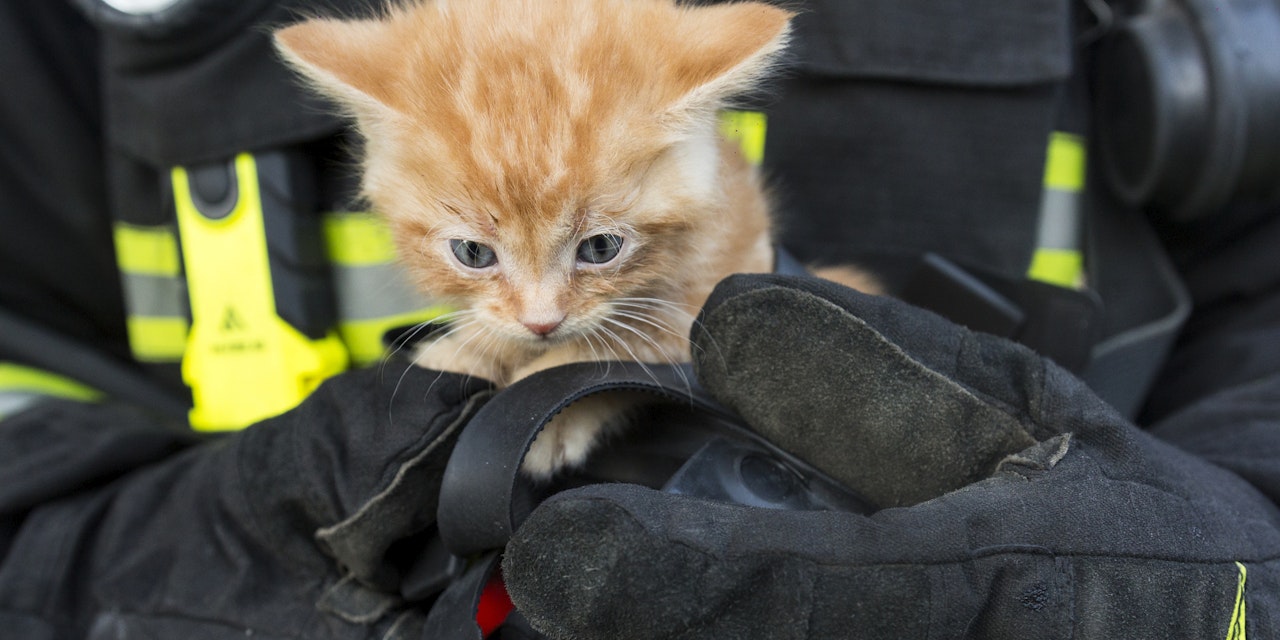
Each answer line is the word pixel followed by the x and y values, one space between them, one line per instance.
pixel 453 615
pixel 1063 324
pixel 484 497
pixel 1115 338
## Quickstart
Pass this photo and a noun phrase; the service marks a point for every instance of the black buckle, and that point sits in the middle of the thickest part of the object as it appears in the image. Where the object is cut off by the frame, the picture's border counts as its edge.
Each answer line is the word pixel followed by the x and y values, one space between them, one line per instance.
pixel 1059 323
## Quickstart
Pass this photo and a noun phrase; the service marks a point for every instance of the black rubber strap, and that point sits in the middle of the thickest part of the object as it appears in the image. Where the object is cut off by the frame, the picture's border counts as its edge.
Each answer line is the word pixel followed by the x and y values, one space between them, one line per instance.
pixel 453 615
pixel 484 497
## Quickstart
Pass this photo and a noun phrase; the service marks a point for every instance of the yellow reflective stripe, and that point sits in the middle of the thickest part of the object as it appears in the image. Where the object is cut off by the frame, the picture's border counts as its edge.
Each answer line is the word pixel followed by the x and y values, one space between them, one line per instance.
pixel 1064 162
pixel 747 128
pixel 1061 267
pixel 157 339
pixel 1237 629
pixel 16 377
pixel 357 238
pixel 364 337
pixel 146 250
pixel 243 363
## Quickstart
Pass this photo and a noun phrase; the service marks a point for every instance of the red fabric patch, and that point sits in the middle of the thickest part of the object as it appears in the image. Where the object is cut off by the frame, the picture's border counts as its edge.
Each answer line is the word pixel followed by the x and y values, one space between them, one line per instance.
pixel 495 606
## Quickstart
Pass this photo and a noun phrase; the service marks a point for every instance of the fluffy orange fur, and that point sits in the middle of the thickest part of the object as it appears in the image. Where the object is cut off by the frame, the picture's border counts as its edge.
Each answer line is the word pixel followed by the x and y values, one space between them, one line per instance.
pixel 528 127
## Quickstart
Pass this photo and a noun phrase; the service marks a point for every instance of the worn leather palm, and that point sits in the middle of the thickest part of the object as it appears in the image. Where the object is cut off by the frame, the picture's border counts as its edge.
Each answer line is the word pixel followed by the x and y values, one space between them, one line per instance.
pixel 1013 502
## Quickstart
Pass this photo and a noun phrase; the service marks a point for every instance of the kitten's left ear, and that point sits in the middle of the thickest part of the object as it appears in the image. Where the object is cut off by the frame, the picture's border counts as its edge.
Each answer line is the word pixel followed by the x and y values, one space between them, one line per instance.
pixel 346 59
pixel 725 50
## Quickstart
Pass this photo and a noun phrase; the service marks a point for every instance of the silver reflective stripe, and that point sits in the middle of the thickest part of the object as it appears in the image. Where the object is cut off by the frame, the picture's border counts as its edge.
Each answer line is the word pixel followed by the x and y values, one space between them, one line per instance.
pixel 14 402
pixel 1059 220
pixel 154 296
pixel 368 292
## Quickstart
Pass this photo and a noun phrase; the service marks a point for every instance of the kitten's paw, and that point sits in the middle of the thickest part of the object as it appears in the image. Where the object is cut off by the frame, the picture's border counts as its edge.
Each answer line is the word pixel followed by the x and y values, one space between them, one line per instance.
pixel 572 434
pixel 564 354
pixel 448 354
pixel 852 277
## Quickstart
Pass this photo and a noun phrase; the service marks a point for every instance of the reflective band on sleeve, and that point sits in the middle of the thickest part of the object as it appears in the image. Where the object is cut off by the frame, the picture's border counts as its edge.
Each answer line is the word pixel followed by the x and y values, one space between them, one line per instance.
pixel 1058 258
pixel 18 378
pixel 373 293
pixel 13 402
pixel 154 291
pixel 22 386
pixel 747 128
pixel 1237 629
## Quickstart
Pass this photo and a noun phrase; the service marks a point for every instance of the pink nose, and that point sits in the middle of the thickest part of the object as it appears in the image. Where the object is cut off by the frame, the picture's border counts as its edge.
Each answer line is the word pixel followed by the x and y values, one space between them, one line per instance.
pixel 542 329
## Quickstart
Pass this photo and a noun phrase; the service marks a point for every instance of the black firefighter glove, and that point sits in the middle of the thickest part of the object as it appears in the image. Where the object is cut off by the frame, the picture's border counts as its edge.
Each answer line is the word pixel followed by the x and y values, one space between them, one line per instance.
pixel 301 526
pixel 1013 503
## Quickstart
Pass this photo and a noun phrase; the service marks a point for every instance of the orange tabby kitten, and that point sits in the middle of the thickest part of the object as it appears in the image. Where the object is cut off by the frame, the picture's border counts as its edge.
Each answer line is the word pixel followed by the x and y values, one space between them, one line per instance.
pixel 552 169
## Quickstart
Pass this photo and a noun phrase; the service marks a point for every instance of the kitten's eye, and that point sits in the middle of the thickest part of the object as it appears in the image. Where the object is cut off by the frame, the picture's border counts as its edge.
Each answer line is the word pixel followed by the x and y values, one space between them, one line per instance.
pixel 473 254
pixel 600 249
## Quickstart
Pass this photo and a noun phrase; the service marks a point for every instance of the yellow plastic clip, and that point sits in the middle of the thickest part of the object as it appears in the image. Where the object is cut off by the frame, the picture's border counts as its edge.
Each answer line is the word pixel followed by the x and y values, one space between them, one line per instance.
pixel 242 362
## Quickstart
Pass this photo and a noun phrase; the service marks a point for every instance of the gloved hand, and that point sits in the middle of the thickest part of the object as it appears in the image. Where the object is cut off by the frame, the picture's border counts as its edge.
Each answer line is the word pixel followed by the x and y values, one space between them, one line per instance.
pixel 298 527
pixel 1013 502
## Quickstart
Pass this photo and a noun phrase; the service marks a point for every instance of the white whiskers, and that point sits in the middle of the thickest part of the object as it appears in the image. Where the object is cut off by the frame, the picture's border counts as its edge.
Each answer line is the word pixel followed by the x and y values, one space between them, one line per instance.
pixel 644 330
pixel 634 319
pixel 457 321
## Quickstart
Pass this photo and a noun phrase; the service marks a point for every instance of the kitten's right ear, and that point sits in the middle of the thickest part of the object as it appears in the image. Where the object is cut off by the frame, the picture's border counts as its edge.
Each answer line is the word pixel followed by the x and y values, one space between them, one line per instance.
pixel 720 51
pixel 346 59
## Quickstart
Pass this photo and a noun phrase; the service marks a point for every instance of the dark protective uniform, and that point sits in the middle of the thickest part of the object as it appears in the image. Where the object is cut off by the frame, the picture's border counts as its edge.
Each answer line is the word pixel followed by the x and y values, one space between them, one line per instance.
pixel 904 127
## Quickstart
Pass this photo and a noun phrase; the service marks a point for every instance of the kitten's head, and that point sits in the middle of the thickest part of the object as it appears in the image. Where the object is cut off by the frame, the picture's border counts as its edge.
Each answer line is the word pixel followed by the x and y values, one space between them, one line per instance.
pixel 538 159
